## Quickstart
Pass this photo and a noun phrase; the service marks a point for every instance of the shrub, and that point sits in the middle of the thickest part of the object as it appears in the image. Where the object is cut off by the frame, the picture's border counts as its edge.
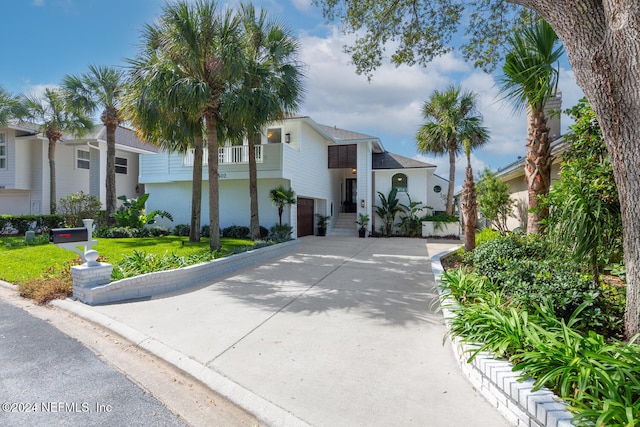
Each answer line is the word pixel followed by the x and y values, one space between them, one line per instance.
pixel 181 230
pixel 120 232
pixel 236 232
pixel 157 231
pixel 141 262
pixel 486 235
pixel 78 206
pixel 132 213
pixel 56 282
pixel 280 232
pixel 264 233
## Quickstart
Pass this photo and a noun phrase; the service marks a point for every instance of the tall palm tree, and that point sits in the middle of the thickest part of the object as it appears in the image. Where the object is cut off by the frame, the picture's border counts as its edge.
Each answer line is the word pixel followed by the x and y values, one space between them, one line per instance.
pixel 469 202
pixel 56 115
pixel 530 79
pixel 157 120
pixel 203 48
pixel 450 119
pixel 101 88
pixel 9 107
pixel 270 89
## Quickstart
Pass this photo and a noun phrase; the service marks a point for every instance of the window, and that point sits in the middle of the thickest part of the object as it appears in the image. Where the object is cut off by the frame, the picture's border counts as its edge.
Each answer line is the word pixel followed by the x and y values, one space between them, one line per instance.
pixel 437 189
pixel 82 159
pixel 3 151
pixel 343 156
pixel 121 165
pixel 274 136
pixel 399 182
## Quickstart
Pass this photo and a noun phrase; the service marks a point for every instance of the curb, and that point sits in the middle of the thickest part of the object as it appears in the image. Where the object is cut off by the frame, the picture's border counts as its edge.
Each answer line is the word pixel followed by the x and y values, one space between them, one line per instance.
pixel 261 408
pixel 498 382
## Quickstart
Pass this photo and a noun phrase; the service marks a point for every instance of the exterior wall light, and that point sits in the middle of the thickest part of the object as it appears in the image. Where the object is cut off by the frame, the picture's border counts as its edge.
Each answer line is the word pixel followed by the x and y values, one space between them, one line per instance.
pixel 287 138
pixel 362 203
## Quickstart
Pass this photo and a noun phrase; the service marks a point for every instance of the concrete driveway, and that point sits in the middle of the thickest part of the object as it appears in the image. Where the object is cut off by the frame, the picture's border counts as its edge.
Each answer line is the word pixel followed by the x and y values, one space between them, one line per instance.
pixel 342 332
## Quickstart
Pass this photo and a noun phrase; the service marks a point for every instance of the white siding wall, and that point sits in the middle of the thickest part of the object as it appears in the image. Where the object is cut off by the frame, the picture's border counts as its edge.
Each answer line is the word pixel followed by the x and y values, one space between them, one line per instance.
pixel 438 201
pixel 175 198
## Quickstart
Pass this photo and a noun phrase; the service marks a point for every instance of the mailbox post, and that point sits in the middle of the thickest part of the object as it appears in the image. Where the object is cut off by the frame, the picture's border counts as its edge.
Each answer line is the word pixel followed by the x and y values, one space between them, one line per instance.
pixel 75 238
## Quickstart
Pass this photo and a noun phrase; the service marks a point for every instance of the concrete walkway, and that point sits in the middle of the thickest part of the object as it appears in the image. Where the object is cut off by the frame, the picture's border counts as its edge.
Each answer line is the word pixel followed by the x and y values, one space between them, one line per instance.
pixel 342 332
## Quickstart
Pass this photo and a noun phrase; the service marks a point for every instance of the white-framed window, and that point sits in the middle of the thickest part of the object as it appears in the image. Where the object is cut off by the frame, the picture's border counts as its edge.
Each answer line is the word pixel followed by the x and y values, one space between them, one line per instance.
pixel 3 150
pixel 274 135
pixel 83 159
pixel 121 165
pixel 399 182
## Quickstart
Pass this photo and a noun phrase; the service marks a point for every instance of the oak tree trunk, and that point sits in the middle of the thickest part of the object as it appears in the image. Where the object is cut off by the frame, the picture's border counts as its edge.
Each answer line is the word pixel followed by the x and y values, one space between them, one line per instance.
pixel 602 43
pixel 196 189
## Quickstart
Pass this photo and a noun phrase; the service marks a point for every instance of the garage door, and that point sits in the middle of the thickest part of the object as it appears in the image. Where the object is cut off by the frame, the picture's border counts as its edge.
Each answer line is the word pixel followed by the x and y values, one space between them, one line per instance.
pixel 305 217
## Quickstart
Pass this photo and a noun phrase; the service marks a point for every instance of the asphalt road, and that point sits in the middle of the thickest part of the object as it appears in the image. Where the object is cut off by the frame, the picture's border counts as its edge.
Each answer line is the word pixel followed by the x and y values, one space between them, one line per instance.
pixel 48 378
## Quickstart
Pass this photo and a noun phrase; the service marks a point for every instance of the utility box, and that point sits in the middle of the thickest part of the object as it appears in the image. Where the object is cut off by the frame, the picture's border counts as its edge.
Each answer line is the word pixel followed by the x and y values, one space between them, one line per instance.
pixel 68 235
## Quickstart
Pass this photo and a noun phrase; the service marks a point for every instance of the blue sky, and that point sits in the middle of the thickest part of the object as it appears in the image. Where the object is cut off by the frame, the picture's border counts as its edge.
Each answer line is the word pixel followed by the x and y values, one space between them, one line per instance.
pixel 46 39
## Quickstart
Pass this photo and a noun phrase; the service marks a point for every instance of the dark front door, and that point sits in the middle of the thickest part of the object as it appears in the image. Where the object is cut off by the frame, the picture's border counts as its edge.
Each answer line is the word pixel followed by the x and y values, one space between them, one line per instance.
pixel 305 217
pixel 351 195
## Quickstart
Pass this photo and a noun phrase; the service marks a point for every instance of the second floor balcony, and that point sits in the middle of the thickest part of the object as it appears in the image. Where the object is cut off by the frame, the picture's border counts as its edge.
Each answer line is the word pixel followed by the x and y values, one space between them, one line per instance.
pixel 234 155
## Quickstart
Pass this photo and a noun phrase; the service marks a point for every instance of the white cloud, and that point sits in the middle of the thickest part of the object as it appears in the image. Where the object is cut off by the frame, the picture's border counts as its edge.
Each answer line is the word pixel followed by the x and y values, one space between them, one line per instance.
pixel 302 5
pixel 38 2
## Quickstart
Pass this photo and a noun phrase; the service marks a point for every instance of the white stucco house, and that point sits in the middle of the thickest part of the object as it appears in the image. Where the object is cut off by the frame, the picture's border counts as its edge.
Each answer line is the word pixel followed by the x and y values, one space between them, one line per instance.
pixel 333 172
pixel 80 166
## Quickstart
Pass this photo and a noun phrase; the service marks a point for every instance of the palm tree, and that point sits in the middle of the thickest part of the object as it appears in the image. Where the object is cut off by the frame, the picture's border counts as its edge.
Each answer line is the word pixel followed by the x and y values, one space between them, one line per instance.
pixel 9 107
pixel 56 115
pixel 270 89
pixel 530 79
pixel 172 127
pixel 469 202
pixel 281 197
pixel 203 50
pixel 101 88
pixel 450 119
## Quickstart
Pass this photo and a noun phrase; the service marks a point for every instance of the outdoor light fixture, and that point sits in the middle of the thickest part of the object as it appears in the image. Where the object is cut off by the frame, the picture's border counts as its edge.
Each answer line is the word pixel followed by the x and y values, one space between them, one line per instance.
pixel 287 138
pixel 354 170
pixel 362 203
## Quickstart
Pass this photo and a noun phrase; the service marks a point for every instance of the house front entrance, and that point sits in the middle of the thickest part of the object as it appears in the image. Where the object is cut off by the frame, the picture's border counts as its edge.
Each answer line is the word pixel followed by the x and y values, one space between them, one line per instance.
pixel 351 193
pixel 305 217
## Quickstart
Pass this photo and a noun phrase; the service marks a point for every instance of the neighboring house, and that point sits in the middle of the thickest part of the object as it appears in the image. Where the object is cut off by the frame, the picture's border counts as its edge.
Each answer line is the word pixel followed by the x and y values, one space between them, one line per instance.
pixel 513 174
pixel 80 166
pixel 332 171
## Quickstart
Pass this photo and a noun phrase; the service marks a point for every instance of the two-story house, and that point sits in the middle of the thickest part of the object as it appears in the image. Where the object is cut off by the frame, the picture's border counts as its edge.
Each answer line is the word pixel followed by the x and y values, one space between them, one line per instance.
pixel 332 171
pixel 80 166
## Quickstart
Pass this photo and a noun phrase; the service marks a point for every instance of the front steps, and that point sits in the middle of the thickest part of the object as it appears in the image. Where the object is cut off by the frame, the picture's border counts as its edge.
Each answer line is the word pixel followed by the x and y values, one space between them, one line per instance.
pixel 344 225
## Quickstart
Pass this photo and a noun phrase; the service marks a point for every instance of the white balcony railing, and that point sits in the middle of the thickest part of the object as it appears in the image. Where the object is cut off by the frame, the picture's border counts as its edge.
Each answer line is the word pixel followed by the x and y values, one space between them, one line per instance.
pixel 235 155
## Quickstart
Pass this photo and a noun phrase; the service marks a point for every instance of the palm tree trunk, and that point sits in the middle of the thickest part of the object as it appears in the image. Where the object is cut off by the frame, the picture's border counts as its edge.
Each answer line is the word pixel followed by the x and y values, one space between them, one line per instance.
pixel 196 189
pixel 537 168
pixel 52 176
pixel 253 192
pixel 110 186
pixel 452 180
pixel 214 186
pixel 469 211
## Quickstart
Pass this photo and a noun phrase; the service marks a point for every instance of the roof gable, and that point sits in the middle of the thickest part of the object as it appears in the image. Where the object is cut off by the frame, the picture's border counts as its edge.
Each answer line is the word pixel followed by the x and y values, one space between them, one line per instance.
pixel 388 160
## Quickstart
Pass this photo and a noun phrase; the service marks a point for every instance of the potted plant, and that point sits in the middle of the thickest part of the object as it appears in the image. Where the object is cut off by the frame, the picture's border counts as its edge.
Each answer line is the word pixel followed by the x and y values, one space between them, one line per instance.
pixel 363 221
pixel 322 222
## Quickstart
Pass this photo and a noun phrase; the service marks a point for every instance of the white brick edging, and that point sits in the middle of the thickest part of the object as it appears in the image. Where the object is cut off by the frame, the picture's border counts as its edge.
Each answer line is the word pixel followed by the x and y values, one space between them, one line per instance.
pixel 150 284
pixel 498 382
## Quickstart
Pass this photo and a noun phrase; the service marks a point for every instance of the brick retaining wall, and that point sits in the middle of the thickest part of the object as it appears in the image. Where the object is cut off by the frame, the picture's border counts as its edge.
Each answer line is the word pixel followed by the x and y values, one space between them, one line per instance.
pixel 150 284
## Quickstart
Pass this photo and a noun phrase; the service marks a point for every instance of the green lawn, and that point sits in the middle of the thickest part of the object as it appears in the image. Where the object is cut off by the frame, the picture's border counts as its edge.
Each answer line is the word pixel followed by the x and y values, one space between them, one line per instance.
pixel 19 262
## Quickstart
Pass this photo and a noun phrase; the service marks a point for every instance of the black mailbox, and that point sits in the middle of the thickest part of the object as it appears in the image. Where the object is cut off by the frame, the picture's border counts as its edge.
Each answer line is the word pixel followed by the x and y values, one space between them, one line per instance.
pixel 68 235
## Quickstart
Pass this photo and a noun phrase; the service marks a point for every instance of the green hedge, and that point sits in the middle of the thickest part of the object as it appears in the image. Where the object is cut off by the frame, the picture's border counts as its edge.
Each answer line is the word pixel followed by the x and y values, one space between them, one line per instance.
pixel 9 224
